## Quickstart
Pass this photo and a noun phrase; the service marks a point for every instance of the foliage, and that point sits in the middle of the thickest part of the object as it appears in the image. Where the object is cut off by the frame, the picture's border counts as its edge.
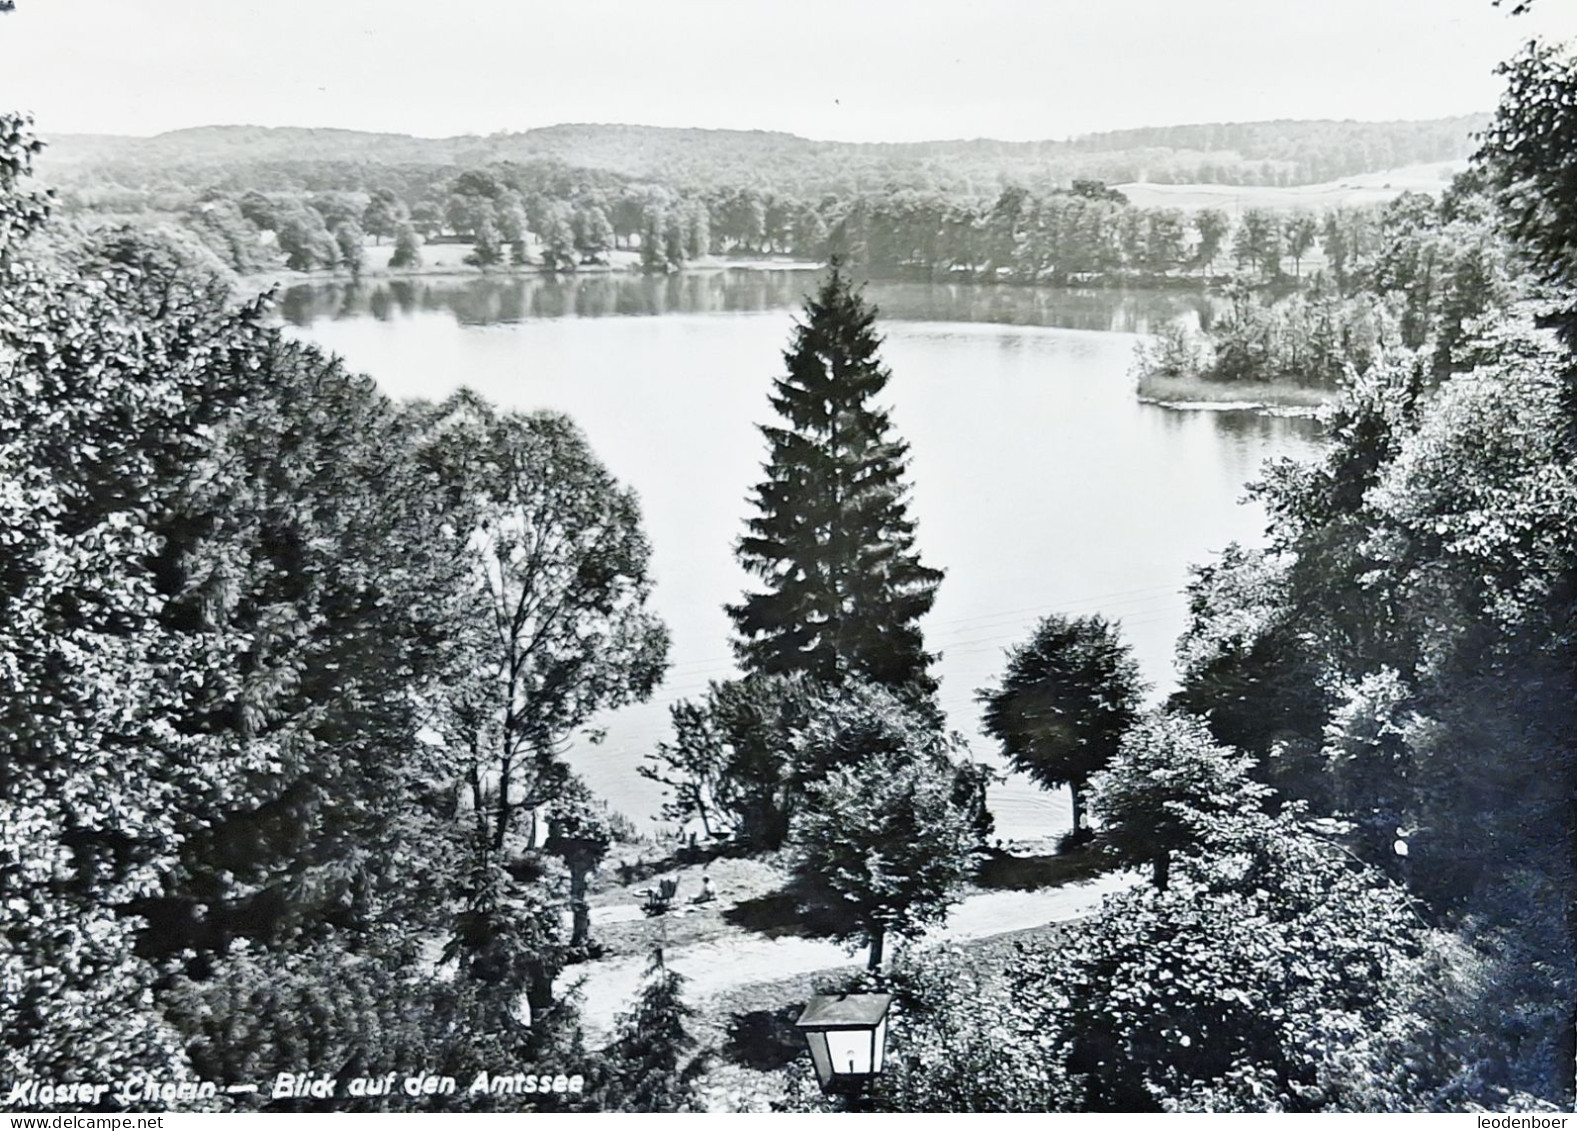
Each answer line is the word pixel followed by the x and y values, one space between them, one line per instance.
pixel 304 238
pixel 548 626
pixel 1258 244
pixel 878 838
pixel 1370 755
pixel 114 371
pixel 832 537
pixel 384 213
pixel 488 250
pixel 1409 628
pixel 25 207
pixel 245 600
pixel 210 650
pixel 735 161
pixel 350 240
pixel 558 240
pixel 1272 975
pixel 650 1065
pixel 1301 231
pixel 407 246
pixel 580 832
pixel 959 1042
pixel 1245 667
pixel 732 758
pixel 226 231
pixel 1166 774
pixel 1171 352
pixel 557 593
pixel 1529 154
pixel 508 932
pixel 1066 698
pixel 594 235
pixel 692 766
pixel 362 1015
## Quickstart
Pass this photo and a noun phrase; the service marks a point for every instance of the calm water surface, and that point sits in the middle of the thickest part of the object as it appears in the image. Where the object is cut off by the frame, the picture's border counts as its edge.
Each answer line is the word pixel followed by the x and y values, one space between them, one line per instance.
pixel 1040 484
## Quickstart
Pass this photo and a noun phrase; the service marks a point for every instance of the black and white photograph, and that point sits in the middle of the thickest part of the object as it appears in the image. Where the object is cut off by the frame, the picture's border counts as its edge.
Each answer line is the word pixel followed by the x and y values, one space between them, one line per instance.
pixel 802 557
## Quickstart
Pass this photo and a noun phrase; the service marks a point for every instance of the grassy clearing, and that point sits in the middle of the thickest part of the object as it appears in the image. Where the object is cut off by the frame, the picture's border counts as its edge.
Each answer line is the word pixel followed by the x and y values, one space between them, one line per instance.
pixel 1005 872
pixel 449 259
pixel 1356 190
pixel 736 880
pixel 755 898
pixel 1194 392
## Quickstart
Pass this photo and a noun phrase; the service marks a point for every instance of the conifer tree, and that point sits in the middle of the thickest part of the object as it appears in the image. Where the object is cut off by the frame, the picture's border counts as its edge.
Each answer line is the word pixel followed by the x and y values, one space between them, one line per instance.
pixel 651 1065
pixel 833 540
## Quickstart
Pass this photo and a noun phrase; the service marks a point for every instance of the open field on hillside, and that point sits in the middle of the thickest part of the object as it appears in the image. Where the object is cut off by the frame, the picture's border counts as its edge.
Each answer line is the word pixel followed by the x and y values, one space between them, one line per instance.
pixel 1361 189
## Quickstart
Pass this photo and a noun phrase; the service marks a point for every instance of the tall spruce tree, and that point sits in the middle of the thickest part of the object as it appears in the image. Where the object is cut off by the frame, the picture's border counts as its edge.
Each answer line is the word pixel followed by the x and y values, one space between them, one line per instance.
pixel 833 540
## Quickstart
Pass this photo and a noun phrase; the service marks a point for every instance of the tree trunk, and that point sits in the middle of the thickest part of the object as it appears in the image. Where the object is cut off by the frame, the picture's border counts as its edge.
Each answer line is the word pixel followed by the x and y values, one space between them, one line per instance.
pixel 878 937
pixel 539 988
pixel 504 782
pixel 581 931
pixel 1163 870
pixel 1076 792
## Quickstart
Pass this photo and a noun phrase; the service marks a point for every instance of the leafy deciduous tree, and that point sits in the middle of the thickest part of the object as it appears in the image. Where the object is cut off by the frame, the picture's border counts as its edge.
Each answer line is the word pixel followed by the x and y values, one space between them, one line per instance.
pixel 1167 772
pixel 879 839
pixel 1065 700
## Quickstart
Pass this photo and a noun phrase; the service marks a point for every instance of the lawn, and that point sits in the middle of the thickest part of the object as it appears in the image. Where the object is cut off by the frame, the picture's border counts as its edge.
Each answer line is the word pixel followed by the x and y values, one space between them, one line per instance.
pixel 1358 190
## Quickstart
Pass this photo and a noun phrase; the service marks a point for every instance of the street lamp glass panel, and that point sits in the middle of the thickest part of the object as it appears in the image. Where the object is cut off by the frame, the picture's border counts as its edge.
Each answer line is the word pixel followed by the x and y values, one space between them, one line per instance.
pixel 850 1050
pixel 819 1057
pixel 879 1045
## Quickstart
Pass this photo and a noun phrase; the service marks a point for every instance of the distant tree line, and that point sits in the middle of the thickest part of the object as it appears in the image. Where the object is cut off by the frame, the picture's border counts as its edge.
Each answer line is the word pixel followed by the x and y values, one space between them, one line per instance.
pixel 559 219
pixel 570 203
pixel 1278 153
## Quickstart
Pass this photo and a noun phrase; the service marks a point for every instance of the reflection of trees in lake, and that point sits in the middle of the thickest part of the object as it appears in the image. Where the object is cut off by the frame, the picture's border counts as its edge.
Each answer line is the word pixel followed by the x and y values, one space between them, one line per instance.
pixel 1260 427
pixel 484 301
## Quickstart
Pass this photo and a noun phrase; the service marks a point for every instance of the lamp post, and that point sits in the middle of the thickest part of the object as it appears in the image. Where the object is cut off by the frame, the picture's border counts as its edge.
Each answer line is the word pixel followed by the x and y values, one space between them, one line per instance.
pixel 847 1035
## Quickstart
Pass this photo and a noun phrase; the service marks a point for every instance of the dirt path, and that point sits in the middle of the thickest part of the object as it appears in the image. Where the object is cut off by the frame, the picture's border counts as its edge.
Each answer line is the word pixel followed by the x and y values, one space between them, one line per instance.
pixel 716 966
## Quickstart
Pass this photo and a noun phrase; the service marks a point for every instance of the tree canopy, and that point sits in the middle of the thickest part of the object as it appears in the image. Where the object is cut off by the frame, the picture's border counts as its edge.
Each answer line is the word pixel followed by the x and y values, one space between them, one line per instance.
pixel 1066 698
pixel 880 838
pixel 832 537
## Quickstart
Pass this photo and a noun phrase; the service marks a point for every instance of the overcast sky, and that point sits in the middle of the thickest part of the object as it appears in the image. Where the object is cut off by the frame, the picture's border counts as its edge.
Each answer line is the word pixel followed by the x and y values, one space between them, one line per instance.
pixel 837 69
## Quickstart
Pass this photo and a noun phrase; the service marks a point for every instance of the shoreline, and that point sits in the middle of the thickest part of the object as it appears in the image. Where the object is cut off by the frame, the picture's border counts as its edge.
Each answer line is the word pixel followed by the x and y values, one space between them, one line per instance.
pixel 1270 398
pixel 1179 394
pixel 449 263
pixel 1262 408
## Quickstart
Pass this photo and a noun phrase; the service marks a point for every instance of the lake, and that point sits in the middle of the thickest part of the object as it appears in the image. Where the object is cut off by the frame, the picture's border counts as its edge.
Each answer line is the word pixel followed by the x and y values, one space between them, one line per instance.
pixel 1040 484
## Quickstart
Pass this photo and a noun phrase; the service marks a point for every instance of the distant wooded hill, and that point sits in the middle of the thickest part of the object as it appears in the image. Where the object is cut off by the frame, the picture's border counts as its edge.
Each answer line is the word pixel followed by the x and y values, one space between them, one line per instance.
pixel 1247 153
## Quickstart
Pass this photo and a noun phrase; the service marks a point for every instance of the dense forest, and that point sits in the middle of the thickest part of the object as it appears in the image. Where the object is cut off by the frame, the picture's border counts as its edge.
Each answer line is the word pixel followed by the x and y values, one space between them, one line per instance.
pixel 1418 273
pixel 287 670
pixel 565 198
